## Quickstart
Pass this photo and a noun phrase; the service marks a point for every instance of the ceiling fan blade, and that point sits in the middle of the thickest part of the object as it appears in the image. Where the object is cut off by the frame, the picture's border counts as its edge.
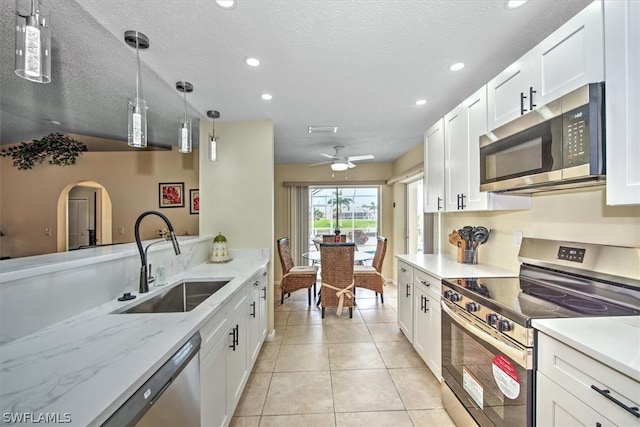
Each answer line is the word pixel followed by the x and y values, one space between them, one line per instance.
pixel 351 165
pixel 329 156
pixel 319 164
pixel 363 157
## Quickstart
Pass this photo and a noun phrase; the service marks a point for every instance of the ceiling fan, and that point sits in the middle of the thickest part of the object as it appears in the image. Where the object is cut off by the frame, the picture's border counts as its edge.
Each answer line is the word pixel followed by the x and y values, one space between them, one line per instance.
pixel 340 162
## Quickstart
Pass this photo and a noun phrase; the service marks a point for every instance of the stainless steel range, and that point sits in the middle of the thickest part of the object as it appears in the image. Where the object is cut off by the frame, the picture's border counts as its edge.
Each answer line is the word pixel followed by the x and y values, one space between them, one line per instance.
pixel 488 347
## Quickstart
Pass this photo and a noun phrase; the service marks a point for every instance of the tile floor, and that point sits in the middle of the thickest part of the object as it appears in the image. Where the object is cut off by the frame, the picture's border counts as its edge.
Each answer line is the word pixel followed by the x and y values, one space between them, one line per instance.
pixel 339 371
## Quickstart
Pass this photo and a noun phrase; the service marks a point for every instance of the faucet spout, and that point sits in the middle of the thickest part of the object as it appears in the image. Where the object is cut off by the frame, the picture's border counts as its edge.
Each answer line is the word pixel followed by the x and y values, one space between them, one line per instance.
pixel 144 277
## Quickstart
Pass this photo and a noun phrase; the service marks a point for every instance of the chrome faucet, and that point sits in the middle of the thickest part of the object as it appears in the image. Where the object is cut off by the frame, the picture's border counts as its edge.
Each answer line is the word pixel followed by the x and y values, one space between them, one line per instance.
pixel 144 276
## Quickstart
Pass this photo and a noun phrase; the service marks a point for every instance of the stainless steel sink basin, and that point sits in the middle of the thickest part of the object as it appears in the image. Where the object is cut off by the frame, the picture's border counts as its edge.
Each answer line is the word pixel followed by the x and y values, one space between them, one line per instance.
pixel 179 299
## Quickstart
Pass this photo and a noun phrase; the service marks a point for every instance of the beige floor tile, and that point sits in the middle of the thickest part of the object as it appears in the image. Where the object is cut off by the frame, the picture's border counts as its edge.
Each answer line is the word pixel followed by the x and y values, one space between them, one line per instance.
pixel 254 395
pixel 377 419
pixel 365 299
pixel 302 304
pixel 391 302
pixel 387 315
pixel 418 387
pixel 431 417
pixel 267 357
pixel 279 334
pixel 302 357
pixel 307 334
pixel 299 393
pixel 385 332
pixel 285 306
pixel 344 319
pixel 399 354
pixel 305 317
pixel 245 422
pixel 308 420
pixel 344 333
pixel 280 318
pixel 364 390
pixel 355 356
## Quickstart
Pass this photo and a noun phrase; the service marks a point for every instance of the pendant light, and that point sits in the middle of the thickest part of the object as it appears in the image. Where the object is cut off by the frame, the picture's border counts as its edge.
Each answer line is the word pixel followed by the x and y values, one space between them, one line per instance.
pixel 137 107
pixel 33 41
pixel 213 142
pixel 184 135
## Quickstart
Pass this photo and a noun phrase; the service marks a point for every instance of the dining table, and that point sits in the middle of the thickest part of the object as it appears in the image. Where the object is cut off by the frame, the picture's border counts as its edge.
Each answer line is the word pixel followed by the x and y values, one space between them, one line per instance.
pixel 359 256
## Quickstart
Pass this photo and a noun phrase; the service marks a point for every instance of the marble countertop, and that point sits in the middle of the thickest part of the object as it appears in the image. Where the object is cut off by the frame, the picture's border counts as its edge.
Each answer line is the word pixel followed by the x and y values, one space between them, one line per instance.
pixel 614 341
pixel 88 365
pixel 441 266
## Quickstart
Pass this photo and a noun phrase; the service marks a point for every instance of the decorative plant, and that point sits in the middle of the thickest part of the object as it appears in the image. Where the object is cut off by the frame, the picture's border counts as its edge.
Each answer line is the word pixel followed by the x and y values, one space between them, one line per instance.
pixel 61 149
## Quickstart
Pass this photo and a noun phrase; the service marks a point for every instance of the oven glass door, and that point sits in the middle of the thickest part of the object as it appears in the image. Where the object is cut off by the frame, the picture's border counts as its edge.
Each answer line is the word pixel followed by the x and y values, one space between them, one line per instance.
pixel 487 379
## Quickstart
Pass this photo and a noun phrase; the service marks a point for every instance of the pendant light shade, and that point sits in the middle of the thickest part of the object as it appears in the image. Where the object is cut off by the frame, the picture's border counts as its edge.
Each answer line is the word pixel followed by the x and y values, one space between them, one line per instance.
pixel 184 134
pixel 137 107
pixel 33 41
pixel 213 141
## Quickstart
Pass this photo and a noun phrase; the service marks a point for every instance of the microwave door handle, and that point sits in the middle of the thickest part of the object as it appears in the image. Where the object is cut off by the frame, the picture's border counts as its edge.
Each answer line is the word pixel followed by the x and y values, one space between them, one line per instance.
pixel 519 355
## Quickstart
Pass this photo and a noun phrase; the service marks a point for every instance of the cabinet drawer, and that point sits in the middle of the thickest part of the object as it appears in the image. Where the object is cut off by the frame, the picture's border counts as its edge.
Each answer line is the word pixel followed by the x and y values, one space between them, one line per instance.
pixel 405 273
pixel 576 372
pixel 212 330
pixel 432 284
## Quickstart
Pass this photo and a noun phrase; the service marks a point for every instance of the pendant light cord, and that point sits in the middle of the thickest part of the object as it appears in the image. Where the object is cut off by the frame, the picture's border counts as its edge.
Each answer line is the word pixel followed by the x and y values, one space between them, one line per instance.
pixel 184 93
pixel 137 73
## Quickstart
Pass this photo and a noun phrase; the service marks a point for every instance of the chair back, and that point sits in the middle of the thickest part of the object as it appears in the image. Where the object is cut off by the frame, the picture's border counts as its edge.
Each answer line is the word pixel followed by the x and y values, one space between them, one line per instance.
pixel 378 257
pixel 329 238
pixel 284 251
pixel 337 263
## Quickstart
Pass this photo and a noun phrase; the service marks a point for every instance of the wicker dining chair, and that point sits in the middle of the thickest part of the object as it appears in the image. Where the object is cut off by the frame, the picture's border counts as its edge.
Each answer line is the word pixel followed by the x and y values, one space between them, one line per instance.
pixel 370 277
pixel 337 276
pixel 295 278
pixel 331 238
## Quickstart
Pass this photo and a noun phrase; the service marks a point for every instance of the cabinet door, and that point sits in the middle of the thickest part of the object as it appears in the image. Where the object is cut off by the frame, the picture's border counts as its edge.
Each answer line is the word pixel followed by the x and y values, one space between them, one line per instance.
pixel 405 300
pixel 557 407
pixel 476 111
pixel 622 52
pixel 434 168
pixel 237 372
pixel 421 322
pixel 434 361
pixel 456 158
pixel 504 93
pixel 213 390
pixel 570 57
pixel 254 341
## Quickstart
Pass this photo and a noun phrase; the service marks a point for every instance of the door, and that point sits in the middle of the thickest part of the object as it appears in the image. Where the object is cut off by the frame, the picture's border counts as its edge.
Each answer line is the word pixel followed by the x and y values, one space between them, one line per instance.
pixel 415 218
pixel 434 168
pixel 78 222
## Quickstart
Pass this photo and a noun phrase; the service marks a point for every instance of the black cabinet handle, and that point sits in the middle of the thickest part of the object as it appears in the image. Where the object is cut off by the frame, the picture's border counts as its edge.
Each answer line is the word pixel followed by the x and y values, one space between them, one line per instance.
pixel 408 293
pixel 439 200
pixel 426 304
pixel 461 204
pixel 253 309
pixel 233 339
pixel 598 424
pixel 422 298
pixel 606 393
pixel 531 104
pixel 237 335
pixel 264 292
pixel 522 98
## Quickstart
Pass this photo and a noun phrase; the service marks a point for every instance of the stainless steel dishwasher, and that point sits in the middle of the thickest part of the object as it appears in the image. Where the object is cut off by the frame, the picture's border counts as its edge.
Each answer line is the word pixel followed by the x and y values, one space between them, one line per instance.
pixel 171 397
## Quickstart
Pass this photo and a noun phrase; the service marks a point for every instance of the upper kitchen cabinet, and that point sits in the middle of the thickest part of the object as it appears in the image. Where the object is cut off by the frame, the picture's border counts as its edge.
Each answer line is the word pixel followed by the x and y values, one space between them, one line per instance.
pixel 569 58
pixel 434 168
pixel 622 98
pixel 463 127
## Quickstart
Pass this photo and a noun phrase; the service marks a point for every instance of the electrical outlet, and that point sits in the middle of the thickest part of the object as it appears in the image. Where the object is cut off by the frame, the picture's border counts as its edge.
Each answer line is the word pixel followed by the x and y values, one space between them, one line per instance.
pixel 47 231
pixel 121 231
pixel 517 238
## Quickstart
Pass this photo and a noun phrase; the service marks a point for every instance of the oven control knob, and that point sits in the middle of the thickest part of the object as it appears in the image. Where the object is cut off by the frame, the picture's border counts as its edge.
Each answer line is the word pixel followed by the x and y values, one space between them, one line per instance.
pixel 504 325
pixel 492 319
pixel 454 297
pixel 447 294
pixel 472 306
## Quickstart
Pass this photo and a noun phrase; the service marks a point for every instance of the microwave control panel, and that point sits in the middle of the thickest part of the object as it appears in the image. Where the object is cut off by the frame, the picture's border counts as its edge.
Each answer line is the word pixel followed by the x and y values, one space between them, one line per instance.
pixel 575 137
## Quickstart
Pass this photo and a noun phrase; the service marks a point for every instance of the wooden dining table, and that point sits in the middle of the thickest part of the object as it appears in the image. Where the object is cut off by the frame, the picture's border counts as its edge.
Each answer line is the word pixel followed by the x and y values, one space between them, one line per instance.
pixel 359 256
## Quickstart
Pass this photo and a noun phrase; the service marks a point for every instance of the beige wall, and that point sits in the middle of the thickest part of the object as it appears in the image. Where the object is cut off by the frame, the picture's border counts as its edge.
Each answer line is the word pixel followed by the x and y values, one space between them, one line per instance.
pixel 29 198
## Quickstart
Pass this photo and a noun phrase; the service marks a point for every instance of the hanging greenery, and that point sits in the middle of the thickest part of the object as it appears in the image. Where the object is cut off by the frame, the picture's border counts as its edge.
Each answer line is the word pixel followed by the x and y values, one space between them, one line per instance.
pixel 61 149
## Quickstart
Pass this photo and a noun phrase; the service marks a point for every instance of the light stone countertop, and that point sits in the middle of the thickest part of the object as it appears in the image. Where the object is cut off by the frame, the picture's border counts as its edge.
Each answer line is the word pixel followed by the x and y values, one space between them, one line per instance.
pixel 614 341
pixel 445 266
pixel 88 366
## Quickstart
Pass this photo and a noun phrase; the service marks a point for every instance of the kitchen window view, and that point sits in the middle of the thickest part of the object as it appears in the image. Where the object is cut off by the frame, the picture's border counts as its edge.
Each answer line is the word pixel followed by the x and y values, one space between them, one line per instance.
pixel 351 209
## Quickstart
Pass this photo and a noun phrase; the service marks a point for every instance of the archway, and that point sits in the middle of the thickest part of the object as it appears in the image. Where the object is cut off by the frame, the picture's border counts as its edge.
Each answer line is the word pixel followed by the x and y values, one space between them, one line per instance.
pixel 102 218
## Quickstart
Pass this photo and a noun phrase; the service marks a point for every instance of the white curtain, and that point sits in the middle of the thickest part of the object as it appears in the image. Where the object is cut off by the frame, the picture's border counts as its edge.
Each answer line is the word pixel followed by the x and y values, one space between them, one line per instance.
pixel 298 222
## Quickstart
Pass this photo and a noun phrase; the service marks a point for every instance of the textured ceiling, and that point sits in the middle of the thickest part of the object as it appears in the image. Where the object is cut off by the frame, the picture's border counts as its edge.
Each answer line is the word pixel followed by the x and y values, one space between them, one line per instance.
pixel 359 65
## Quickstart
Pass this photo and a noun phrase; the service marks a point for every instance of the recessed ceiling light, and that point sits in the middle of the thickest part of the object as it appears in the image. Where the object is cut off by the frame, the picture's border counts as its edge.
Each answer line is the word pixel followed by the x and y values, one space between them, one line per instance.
pixel 253 62
pixel 55 122
pixel 227 4
pixel 421 102
pixel 457 66
pixel 266 96
pixel 512 4
pixel 322 129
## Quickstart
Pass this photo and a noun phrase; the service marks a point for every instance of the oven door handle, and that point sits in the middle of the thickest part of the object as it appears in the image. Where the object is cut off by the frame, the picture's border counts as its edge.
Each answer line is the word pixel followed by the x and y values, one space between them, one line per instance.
pixel 520 355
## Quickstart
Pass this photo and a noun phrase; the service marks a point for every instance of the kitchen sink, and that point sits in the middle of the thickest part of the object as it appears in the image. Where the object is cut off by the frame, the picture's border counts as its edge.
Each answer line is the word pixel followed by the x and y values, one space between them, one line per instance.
pixel 178 299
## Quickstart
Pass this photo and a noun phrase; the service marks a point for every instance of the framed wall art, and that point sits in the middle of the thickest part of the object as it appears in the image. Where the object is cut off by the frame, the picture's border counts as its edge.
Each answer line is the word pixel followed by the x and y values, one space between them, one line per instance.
pixel 194 197
pixel 171 194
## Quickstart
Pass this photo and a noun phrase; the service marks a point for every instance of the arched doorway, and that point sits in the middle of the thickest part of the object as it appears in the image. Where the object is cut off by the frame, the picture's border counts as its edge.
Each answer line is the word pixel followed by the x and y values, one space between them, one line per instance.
pixel 71 205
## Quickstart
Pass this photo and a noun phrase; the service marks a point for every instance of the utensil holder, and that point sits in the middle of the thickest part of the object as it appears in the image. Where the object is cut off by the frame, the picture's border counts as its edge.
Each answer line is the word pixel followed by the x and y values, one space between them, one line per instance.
pixel 471 256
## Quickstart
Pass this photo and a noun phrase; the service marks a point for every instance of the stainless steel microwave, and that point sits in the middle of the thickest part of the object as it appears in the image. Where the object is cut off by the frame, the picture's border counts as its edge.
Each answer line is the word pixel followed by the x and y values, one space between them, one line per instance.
pixel 559 145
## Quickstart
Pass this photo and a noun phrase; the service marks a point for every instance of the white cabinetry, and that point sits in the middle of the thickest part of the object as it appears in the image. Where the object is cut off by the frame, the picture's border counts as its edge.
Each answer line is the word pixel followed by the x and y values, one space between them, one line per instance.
pixel 426 325
pixel 257 321
pixel 434 168
pixel 463 127
pixel 213 386
pixel 569 58
pixel 405 299
pixel 622 53
pixel 583 391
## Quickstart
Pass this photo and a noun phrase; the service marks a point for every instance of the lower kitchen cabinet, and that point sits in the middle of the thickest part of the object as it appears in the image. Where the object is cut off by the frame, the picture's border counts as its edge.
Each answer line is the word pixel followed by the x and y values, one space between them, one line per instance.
pixel 582 391
pixel 405 299
pixel 213 386
pixel 257 321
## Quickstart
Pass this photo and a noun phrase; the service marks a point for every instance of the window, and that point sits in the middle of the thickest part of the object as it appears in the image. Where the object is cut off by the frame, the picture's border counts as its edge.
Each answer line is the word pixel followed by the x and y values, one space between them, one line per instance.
pixel 415 218
pixel 351 209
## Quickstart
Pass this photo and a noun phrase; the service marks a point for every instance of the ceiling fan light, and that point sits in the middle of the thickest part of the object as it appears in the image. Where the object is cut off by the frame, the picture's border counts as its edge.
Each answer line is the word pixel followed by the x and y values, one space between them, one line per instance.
pixel 339 166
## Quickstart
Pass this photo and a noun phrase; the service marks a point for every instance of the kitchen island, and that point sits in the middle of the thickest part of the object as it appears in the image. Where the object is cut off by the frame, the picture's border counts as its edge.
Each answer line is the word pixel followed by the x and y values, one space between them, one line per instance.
pixel 84 368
